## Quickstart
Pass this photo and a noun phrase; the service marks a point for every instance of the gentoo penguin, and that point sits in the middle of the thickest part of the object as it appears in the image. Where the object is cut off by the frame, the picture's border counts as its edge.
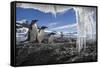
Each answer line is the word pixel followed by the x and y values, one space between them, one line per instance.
pixel 41 34
pixel 62 35
pixel 51 37
pixel 33 31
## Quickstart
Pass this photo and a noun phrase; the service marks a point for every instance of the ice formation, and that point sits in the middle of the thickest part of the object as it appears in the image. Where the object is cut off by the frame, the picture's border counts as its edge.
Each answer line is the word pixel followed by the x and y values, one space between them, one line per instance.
pixel 84 19
pixel 85 27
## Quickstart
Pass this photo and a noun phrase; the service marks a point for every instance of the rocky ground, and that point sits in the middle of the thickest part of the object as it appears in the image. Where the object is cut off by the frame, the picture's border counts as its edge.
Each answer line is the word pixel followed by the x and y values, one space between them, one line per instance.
pixel 58 53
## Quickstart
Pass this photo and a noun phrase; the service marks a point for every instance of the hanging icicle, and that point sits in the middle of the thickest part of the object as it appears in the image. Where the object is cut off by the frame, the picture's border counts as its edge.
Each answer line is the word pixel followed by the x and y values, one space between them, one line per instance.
pixel 84 19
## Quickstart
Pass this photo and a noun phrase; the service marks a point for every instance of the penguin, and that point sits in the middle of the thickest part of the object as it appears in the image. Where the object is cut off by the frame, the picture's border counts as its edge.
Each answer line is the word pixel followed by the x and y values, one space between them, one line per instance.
pixel 51 37
pixel 33 31
pixel 62 35
pixel 41 34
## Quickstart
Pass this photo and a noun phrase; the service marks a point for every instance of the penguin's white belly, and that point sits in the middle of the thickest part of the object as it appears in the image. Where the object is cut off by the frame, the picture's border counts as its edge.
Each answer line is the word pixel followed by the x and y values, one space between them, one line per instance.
pixel 51 39
pixel 33 34
pixel 40 36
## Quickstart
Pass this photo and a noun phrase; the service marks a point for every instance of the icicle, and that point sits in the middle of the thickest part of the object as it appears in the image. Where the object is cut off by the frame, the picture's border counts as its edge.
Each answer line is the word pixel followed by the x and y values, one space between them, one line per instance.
pixel 55 11
pixel 84 19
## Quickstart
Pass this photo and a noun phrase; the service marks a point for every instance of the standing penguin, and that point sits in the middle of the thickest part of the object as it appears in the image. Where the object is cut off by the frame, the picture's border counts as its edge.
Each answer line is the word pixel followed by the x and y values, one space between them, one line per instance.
pixel 41 34
pixel 51 37
pixel 33 31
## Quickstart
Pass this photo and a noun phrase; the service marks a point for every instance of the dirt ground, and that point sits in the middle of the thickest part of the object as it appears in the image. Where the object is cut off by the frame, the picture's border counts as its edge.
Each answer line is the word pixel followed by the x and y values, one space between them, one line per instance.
pixel 58 53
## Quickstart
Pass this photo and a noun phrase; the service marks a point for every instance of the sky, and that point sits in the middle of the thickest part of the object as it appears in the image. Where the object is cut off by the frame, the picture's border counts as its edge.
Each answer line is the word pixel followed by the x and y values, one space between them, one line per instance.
pixel 63 22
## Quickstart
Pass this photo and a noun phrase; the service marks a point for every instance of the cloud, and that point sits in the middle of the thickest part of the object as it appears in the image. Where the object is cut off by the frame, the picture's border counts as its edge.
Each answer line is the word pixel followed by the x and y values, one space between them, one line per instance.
pixel 45 8
pixel 64 27
pixel 22 21
pixel 48 31
pixel 52 24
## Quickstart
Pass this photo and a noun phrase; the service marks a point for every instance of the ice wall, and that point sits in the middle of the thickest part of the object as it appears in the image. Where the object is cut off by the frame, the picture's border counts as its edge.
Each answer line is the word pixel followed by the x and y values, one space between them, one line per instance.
pixel 85 26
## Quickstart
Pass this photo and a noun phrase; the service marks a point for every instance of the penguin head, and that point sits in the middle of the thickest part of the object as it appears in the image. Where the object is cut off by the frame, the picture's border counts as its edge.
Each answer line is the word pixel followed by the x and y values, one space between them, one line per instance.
pixel 52 33
pixel 44 27
pixel 33 23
